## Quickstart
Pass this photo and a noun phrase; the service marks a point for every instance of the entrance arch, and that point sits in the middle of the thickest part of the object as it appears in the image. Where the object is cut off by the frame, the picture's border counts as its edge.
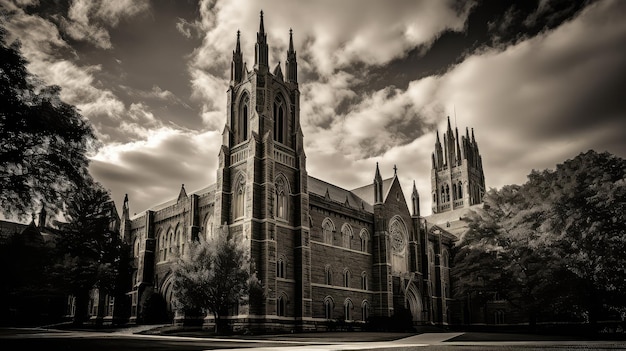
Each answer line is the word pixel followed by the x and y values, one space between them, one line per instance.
pixel 414 300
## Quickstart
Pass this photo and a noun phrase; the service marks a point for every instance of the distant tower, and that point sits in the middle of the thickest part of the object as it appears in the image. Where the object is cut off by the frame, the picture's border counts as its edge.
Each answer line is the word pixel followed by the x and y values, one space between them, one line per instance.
pixel 457 176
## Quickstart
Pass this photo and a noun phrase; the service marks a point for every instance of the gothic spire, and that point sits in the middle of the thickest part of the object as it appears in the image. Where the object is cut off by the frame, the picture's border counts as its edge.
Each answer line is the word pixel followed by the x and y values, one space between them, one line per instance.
pixel 261 50
pixel 378 186
pixel 236 65
pixel 291 65
pixel 125 208
pixel 415 199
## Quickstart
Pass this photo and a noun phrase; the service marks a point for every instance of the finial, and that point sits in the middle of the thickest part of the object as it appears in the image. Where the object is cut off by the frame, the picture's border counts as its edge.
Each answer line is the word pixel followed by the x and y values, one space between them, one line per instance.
pixel 261 26
pixel 395 170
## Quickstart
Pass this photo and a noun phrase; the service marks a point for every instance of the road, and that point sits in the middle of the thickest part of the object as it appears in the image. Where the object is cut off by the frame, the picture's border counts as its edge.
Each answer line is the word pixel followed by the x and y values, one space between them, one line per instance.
pixel 39 339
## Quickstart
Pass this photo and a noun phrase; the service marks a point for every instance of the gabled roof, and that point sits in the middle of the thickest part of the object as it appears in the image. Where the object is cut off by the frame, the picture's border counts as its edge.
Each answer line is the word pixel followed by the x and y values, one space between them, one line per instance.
pixel 201 191
pixel 367 192
pixel 338 194
pixel 452 221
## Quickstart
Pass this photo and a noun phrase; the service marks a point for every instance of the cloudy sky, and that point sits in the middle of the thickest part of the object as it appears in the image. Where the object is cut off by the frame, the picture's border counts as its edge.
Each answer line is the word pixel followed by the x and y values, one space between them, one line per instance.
pixel 539 81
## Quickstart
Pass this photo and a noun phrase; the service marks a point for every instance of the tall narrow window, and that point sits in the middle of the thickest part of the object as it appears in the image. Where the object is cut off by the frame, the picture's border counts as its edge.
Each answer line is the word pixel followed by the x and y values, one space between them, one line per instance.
pixel 443 194
pixel 281 198
pixel 281 306
pixel 365 311
pixel 346 278
pixel 280 268
pixel 347 310
pixel 454 193
pixel 364 281
pixel 460 188
pixel 328 275
pixel 346 234
pixel 365 237
pixel 447 193
pixel 244 117
pixel 279 120
pixel 328 308
pixel 240 194
pixel 327 231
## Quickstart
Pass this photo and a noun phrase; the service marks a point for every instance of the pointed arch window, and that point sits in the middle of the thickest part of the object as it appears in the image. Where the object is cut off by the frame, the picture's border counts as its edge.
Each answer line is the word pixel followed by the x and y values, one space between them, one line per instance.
pixel 460 189
pixel 328 307
pixel 346 278
pixel 365 237
pixel 244 117
pixel 208 228
pixel 281 306
pixel 364 281
pixel 280 268
pixel 443 194
pixel 240 195
pixel 328 275
pixel 365 311
pixel 447 193
pixel 328 227
pixel 454 192
pixel 346 235
pixel 282 189
pixel 279 119
pixel 347 309
pixel 180 241
pixel 169 244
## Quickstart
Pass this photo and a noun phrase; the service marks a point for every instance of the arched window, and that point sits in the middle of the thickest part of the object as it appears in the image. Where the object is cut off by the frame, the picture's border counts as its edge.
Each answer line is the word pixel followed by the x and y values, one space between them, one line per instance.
pixel 328 307
pixel 365 313
pixel 280 268
pixel 454 193
pixel 398 235
pixel 240 195
pixel 346 235
pixel 279 119
pixel 244 116
pixel 136 247
pixel 443 194
pixel 445 258
pixel 346 278
pixel 431 267
pixel 180 240
pixel 365 237
pixel 347 309
pixel 447 193
pixel 169 245
pixel 460 187
pixel 282 189
pixel 328 275
pixel 327 230
pixel 281 305
pixel 364 281
pixel 208 228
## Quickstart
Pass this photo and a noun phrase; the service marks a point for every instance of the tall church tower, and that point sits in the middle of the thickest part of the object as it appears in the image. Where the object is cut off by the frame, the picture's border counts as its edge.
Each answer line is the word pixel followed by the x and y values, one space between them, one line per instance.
pixel 457 178
pixel 261 191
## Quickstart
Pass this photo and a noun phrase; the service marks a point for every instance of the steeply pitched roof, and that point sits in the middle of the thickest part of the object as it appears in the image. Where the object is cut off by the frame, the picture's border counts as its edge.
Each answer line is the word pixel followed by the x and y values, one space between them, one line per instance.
pixel 452 221
pixel 338 194
pixel 367 192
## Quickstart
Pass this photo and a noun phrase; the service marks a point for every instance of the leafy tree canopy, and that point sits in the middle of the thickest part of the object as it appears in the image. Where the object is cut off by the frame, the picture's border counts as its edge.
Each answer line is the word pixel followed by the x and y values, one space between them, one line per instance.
pixel 43 140
pixel 555 243
pixel 216 276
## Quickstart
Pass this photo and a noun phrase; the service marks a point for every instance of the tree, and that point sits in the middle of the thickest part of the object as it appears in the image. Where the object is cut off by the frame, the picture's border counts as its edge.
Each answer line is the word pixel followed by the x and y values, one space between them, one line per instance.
pixel 555 244
pixel 216 276
pixel 89 248
pixel 43 140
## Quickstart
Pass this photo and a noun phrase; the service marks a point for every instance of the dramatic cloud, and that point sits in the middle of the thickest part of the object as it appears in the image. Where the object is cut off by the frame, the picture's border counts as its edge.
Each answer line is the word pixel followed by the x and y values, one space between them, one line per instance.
pixel 137 168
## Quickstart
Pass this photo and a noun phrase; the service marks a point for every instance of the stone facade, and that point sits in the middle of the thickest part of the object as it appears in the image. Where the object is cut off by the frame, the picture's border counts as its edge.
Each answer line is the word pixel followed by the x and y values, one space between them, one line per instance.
pixel 323 253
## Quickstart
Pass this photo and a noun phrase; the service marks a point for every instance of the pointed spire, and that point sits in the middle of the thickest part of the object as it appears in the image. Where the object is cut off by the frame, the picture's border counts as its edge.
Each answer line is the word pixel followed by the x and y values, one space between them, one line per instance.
pixel 378 186
pixel 261 50
pixel 238 46
pixel 473 139
pixel 261 26
pixel 458 147
pixel 237 63
pixel 291 65
pixel 415 199
pixel 183 194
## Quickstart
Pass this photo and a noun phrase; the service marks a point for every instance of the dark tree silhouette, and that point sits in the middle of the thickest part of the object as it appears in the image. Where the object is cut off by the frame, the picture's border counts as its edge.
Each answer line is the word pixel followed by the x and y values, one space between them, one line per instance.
pixel 43 140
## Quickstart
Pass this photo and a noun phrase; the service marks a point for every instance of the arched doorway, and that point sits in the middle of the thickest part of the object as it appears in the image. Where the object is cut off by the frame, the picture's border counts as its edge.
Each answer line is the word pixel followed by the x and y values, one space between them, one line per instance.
pixel 414 301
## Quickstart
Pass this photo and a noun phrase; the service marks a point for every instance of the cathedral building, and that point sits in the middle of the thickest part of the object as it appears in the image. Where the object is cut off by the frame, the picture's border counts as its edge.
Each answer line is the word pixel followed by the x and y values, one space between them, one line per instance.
pixel 323 253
